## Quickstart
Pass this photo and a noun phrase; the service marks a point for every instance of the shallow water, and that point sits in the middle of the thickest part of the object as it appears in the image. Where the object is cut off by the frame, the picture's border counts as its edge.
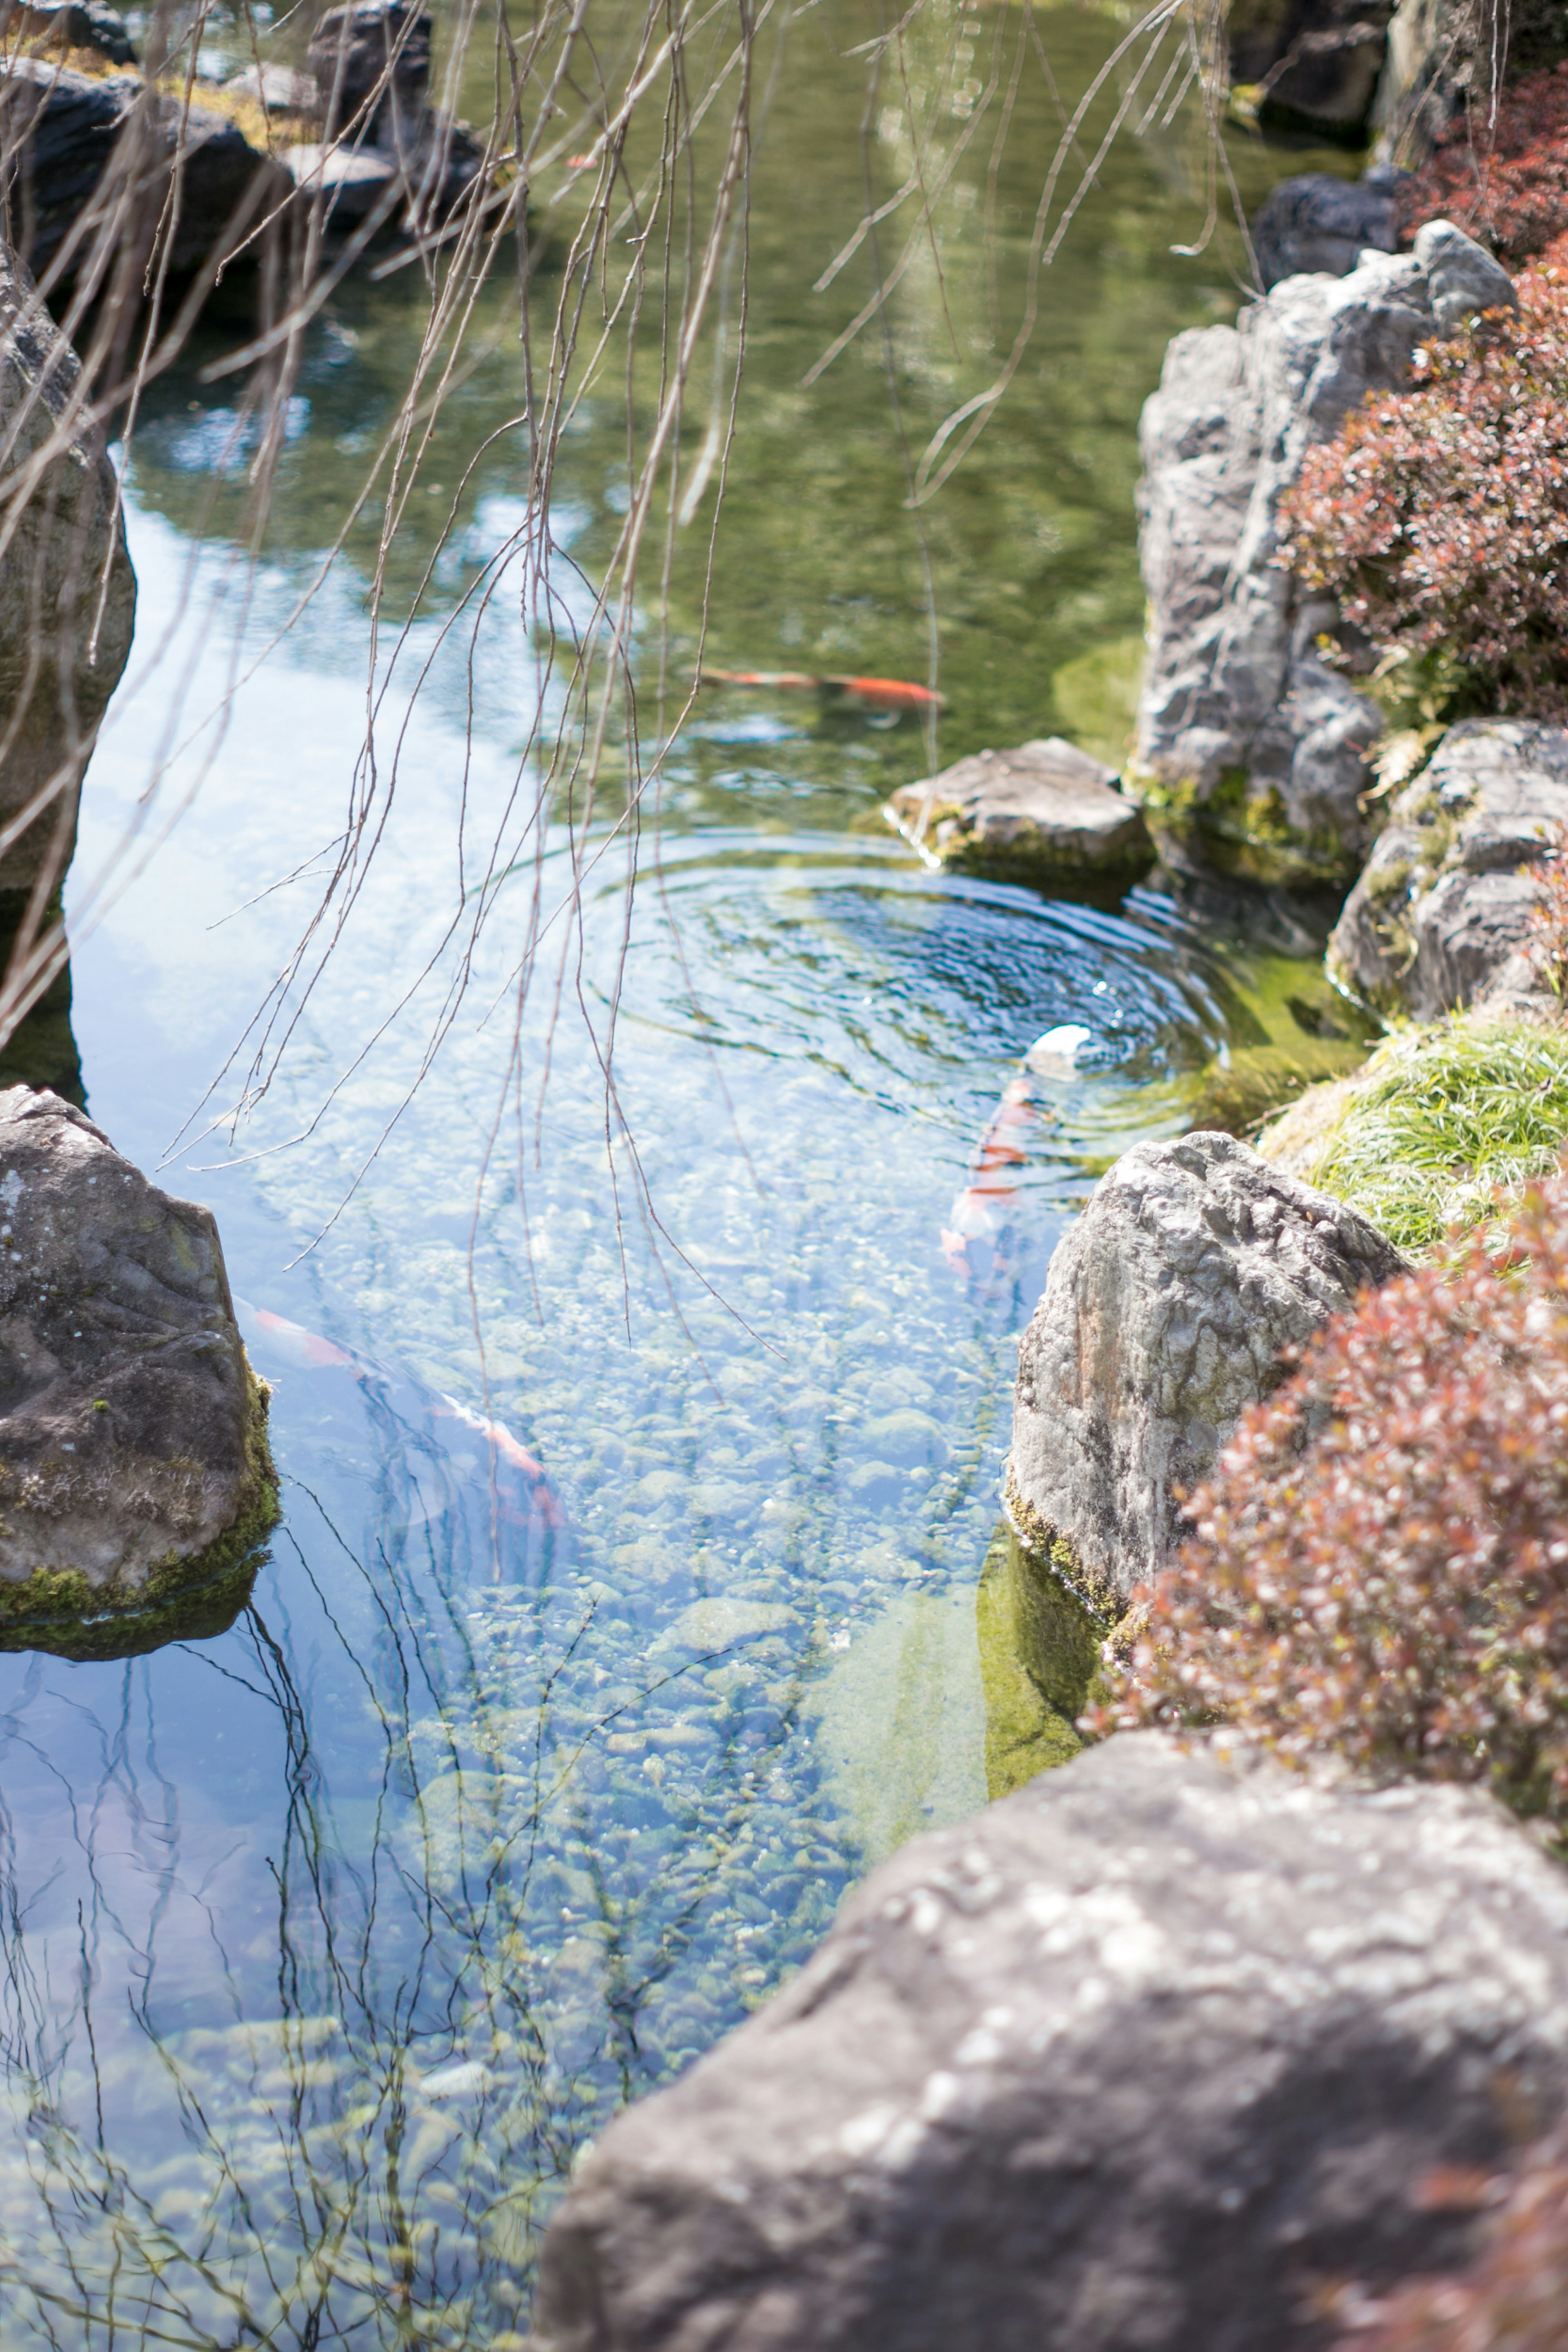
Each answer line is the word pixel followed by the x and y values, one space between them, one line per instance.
pixel 331 1942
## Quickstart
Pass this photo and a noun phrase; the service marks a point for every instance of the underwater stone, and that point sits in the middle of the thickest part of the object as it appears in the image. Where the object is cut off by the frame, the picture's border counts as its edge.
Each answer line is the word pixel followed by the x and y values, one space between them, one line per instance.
pixel 1440 919
pixel 133 1460
pixel 1132 2060
pixel 1045 810
pixel 1165 1311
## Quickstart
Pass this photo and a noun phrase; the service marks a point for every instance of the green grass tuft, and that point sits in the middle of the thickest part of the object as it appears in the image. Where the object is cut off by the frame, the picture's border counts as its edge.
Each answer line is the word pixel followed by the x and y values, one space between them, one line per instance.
pixel 1442 1121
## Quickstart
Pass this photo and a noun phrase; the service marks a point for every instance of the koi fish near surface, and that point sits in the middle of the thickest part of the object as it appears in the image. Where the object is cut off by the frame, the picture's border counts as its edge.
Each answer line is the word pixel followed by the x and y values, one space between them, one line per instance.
pixel 889 697
pixel 976 1239
pixel 444 1450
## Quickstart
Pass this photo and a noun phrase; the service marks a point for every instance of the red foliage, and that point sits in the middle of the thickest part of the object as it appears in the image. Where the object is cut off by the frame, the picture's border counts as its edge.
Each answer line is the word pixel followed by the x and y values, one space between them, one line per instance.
pixel 1381 1564
pixel 1506 179
pixel 1549 914
pixel 1439 515
pixel 1514 2299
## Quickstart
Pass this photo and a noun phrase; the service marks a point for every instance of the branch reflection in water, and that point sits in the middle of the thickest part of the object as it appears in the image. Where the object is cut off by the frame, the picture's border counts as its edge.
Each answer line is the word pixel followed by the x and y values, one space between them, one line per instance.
pixel 355 2029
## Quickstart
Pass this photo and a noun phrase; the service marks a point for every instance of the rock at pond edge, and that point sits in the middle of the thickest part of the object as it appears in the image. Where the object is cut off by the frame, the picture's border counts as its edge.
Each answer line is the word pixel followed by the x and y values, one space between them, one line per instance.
pixel 1044 811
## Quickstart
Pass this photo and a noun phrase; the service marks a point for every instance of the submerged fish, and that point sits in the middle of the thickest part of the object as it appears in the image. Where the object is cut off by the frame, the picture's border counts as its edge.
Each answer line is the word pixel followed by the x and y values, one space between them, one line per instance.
pixel 446 1449
pixel 979 1230
pixel 891 696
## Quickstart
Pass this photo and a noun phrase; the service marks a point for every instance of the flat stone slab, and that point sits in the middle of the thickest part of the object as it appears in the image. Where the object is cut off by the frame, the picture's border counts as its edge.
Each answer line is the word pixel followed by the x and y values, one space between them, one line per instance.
pixel 1046 811
pixel 1440 919
pixel 132 1435
pixel 1132 2061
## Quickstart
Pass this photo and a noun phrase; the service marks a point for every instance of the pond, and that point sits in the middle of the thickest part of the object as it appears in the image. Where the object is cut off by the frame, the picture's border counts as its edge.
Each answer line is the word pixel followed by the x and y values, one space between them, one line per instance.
pixel 333 1939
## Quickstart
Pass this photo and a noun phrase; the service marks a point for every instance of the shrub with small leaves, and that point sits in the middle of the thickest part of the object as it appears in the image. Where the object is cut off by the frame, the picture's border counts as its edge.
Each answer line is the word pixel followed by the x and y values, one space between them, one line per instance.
pixel 1380 1566
pixel 1503 177
pixel 1438 517
pixel 1549 915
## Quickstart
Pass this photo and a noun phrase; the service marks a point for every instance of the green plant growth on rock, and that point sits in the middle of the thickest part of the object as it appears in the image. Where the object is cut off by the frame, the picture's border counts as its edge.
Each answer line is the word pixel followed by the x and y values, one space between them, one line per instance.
pixel 1040 1655
pixel 1243 828
pixel 182 1599
pixel 1438 1121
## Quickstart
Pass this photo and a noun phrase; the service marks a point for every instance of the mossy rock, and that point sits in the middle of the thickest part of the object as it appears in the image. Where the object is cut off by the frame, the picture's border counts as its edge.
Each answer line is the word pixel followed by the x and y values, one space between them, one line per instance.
pixel 1039 1656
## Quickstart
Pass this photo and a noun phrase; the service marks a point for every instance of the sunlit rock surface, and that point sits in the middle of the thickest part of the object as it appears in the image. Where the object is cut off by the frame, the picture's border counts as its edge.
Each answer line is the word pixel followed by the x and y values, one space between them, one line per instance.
pixel 1134 2058
pixel 1441 917
pixel 133 1460
pixel 1252 751
pixel 67 595
pixel 1046 811
pixel 1164 1313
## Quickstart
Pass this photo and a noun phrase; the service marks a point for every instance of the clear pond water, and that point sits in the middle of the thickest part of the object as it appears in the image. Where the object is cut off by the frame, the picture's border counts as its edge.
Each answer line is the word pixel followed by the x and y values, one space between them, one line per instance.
pixel 331 1942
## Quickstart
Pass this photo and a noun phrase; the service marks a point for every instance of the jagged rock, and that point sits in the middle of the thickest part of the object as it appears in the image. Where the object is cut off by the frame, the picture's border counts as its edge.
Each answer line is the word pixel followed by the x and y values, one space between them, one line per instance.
pixel 1044 811
pixel 1165 1311
pixel 1462 277
pixel 1313 62
pixel 75 24
pixel 1250 752
pixel 133 1460
pixel 61 126
pixel 353 49
pixel 1432 57
pixel 278 89
pixel 1316 222
pixel 1137 2060
pixel 68 593
pixel 1440 917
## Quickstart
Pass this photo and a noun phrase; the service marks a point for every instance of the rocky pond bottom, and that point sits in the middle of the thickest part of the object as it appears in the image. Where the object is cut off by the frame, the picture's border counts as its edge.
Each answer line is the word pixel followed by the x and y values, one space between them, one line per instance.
pixel 331 1942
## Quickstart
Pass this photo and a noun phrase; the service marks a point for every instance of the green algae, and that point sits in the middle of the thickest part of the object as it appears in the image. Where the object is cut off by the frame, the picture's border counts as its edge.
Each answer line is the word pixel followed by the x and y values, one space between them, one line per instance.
pixel 183 1599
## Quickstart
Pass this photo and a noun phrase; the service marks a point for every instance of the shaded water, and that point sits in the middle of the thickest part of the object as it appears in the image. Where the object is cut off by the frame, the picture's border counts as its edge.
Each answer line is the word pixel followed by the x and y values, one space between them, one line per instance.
pixel 331 1942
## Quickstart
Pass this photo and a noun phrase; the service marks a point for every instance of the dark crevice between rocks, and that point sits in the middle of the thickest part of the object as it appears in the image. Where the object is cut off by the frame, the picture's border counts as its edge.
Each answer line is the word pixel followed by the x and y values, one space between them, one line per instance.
pixel 42 1050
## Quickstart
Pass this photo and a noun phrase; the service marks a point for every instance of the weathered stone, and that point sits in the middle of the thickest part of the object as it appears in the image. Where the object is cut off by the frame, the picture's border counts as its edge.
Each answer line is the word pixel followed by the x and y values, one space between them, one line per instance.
pixel 349 183
pixel 278 88
pixel 1166 1311
pixel 1313 62
pixel 1133 2062
pixel 68 593
pixel 370 61
pixel 61 126
pixel 133 1460
pixel 1317 223
pixel 75 24
pixel 1252 751
pixel 1440 917
pixel 1044 811
pixel 1462 277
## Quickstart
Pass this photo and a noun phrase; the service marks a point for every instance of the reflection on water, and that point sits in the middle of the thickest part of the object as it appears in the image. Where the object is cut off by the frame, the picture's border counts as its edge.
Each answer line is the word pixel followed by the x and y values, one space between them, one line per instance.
pixel 330 1941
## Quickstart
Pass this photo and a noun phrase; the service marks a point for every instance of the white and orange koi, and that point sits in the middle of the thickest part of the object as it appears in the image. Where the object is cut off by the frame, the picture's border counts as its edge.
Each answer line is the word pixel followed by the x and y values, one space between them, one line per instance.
pixel 980 1221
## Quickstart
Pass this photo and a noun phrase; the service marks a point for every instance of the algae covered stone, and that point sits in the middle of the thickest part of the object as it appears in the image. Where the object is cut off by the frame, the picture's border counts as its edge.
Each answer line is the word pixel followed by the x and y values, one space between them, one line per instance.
pixel 134 1468
pixel 1045 812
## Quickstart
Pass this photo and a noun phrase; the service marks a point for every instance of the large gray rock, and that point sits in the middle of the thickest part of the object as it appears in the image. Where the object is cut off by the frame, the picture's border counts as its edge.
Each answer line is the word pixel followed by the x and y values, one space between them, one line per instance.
pixel 1316 222
pixel 1045 812
pixel 1441 916
pixel 1250 749
pixel 75 24
pixel 1164 1313
pixel 1132 2063
pixel 68 593
pixel 370 63
pixel 134 1457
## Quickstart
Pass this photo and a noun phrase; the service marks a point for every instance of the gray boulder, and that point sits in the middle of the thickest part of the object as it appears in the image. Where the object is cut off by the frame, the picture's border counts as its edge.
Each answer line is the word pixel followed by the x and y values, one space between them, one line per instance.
pixel 1133 2062
pixel 1251 751
pixel 371 62
pixel 75 24
pixel 277 88
pixel 1462 277
pixel 1044 811
pixel 68 593
pixel 1316 222
pixel 1440 917
pixel 133 1459
pixel 1164 1313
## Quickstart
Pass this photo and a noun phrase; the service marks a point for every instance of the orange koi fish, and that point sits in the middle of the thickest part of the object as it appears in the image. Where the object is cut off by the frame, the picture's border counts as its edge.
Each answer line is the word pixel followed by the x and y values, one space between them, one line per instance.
pixel 890 695
pixel 527 1496
pixel 976 1238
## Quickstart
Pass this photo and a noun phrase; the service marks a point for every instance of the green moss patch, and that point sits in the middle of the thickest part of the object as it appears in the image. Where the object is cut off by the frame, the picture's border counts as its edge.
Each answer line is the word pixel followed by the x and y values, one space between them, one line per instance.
pixel 182 1600
pixel 1438 1123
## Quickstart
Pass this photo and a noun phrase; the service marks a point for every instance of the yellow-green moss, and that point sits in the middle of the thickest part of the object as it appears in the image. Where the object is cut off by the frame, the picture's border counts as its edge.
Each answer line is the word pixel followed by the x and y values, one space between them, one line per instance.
pixel 181 1598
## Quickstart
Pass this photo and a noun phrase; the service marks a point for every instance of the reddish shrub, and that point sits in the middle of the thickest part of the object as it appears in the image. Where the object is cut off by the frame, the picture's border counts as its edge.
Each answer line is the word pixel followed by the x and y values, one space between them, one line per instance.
pixel 1515 2296
pixel 1381 1564
pixel 1439 515
pixel 1549 915
pixel 1504 178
